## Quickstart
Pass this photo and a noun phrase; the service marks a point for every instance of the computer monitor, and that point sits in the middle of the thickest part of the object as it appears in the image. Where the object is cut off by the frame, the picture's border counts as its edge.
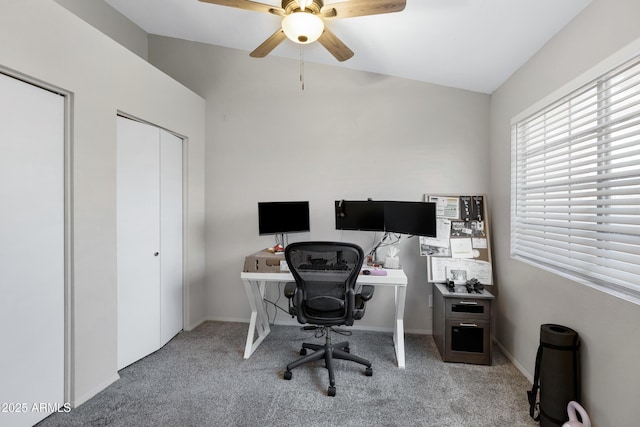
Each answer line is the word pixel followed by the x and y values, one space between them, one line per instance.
pixel 364 215
pixel 414 218
pixel 283 217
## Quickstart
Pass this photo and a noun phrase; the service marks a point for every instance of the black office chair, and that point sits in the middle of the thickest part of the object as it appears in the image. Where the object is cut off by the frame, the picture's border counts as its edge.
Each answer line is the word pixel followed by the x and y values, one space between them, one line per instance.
pixel 324 295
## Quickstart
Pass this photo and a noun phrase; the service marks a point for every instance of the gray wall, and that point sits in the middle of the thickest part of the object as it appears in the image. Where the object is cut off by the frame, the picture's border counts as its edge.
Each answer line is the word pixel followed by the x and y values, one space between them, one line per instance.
pixel 529 297
pixel 349 135
pixel 111 22
pixel 44 42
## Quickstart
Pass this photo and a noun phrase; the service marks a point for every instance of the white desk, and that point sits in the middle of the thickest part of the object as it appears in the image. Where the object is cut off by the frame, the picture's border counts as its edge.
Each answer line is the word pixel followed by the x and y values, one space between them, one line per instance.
pixel 254 285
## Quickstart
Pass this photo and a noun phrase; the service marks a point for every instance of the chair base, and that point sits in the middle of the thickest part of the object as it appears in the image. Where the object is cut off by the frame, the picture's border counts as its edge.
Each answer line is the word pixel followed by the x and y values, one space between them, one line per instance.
pixel 328 352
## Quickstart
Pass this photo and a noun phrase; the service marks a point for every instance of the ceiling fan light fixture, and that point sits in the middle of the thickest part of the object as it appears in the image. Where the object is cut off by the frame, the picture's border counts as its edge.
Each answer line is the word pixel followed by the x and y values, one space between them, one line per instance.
pixel 303 27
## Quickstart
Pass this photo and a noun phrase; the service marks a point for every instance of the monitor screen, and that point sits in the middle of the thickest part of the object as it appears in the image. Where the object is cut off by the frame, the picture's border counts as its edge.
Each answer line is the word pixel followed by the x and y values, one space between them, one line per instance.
pixel 365 215
pixel 283 217
pixel 414 218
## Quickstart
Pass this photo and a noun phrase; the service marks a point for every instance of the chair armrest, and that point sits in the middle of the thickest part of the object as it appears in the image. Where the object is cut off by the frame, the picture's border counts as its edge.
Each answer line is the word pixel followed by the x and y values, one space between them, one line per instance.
pixel 290 289
pixel 367 292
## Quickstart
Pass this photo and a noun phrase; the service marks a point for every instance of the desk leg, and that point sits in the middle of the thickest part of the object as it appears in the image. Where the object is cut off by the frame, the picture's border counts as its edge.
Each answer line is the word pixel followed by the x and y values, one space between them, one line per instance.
pixel 259 321
pixel 398 329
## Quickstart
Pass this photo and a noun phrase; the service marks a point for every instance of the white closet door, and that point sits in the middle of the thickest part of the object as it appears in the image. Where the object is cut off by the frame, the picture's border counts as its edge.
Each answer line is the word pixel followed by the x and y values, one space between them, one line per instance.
pixel 138 225
pixel 31 251
pixel 170 236
pixel 149 239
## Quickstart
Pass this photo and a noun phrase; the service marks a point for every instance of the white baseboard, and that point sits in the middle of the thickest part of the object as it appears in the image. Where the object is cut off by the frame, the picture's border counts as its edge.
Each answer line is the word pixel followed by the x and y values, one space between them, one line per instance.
pixel 514 361
pixel 225 319
pixel 97 389
pixel 419 331
pixel 195 324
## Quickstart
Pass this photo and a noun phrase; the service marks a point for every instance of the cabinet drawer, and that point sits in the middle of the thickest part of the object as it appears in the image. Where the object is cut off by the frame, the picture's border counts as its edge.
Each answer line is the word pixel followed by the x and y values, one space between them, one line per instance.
pixel 462 308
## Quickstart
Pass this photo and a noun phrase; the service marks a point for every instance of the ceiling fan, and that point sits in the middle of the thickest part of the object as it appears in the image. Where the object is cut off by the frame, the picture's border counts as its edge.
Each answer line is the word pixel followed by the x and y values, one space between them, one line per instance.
pixel 303 21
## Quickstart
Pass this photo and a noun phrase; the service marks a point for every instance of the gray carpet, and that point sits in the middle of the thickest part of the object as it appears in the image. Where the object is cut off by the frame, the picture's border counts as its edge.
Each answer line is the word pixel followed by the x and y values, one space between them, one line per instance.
pixel 200 379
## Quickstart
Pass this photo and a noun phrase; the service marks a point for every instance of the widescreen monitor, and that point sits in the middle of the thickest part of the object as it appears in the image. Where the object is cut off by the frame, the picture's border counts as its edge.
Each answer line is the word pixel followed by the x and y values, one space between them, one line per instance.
pixel 364 215
pixel 283 217
pixel 413 218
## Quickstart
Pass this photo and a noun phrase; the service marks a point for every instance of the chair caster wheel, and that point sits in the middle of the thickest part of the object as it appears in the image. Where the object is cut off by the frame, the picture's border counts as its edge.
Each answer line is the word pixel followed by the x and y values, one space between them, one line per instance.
pixel 303 352
pixel 332 391
pixel 368 372
pixel 287 375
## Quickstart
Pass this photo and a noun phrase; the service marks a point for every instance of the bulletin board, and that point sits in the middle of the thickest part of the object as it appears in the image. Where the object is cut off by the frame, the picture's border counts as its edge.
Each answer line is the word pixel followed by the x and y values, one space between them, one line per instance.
pixel 461 250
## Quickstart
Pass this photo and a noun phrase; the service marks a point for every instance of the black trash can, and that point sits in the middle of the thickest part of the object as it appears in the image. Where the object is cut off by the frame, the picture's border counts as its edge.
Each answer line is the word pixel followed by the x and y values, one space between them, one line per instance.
pixel 557 374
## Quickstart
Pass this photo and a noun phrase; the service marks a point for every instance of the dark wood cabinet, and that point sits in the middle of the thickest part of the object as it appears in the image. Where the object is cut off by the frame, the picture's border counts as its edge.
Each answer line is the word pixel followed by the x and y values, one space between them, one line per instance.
pixel 462 324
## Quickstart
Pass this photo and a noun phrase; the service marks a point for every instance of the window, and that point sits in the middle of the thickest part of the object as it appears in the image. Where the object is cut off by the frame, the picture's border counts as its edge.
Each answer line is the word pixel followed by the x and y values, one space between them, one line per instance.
pixel 576 184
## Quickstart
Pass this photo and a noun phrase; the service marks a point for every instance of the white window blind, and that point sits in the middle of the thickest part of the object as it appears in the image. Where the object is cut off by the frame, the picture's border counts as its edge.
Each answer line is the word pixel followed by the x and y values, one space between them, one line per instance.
pixel 576 184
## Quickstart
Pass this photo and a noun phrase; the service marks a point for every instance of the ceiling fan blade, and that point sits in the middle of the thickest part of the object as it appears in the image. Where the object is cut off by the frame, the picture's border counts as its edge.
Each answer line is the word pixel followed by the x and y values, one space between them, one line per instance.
pixel 248 5
pixel 353 8
pixel 269 44
pixel 335 46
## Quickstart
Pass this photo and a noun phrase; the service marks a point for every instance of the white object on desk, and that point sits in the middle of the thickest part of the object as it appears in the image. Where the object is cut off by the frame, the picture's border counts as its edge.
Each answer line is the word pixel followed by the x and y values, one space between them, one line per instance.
pixel 254 285
pixel 392 260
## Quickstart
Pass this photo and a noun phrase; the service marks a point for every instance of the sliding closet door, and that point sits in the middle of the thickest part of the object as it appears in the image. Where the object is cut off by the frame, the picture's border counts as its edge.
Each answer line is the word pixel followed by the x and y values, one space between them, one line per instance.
pixel 31 251
pixel 138 224
pixel 170 236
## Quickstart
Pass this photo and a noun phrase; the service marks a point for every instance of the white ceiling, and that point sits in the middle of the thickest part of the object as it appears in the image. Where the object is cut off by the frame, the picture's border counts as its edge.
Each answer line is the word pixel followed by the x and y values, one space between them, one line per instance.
pixel 468 44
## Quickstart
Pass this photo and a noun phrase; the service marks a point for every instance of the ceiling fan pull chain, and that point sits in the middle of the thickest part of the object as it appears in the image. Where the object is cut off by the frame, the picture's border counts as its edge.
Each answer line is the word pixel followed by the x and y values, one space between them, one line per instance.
pixel 302 66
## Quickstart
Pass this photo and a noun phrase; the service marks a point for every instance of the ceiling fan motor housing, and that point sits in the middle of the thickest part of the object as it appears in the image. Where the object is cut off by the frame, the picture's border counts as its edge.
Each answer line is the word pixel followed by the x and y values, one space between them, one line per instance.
pixel 291 6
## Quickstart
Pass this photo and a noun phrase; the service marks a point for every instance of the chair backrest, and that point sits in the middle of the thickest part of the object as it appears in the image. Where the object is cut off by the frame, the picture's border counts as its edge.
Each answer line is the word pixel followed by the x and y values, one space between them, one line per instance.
pixel 325 275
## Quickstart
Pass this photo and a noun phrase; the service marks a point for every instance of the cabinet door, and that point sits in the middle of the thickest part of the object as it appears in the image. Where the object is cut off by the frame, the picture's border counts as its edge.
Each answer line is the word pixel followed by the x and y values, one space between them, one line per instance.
pixel 468 341
pixel 31 251
pixel 138 234
pixel 170 236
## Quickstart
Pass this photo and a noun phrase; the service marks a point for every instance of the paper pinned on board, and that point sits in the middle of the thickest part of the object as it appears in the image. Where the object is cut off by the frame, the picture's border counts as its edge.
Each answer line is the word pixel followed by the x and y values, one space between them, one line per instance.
pixel 443 229
pixel 446 207
pixel 461 248
pixel 460 270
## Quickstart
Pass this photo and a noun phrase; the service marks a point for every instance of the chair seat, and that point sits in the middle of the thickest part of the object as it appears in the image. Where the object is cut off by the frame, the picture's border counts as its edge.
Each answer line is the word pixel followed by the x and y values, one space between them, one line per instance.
pixel 325 304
